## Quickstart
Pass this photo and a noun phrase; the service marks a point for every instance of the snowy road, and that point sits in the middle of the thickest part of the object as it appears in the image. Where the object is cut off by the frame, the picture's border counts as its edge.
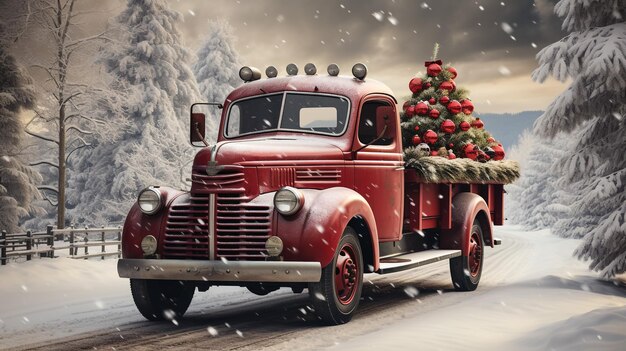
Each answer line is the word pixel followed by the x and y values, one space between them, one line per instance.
pixel 533 296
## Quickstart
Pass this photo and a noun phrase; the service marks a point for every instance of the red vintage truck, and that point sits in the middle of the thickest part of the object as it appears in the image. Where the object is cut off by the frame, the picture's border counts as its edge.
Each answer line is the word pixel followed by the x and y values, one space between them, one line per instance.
pixel 305 188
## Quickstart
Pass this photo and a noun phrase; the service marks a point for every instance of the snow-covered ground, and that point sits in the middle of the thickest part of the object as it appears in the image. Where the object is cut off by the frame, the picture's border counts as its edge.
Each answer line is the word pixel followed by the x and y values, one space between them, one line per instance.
pixel 533 296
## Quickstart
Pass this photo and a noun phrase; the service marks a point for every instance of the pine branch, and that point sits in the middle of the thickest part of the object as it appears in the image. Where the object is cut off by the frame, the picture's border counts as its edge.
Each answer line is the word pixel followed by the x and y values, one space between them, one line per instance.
pixel 49 188
pixel 78 130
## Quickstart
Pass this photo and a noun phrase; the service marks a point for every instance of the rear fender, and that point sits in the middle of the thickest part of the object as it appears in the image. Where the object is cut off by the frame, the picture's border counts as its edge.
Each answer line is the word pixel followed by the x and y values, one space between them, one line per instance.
pixel 137 224
pixel 321 222
pixel 465 208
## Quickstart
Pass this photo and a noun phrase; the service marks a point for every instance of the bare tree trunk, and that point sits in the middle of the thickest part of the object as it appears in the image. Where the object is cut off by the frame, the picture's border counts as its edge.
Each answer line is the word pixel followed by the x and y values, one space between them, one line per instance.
pixel 62 166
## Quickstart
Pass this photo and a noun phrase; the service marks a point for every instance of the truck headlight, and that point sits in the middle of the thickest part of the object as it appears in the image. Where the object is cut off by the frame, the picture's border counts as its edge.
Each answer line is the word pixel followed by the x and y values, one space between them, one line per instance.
pixel 149 200
pixel 149 245
pixel 288 200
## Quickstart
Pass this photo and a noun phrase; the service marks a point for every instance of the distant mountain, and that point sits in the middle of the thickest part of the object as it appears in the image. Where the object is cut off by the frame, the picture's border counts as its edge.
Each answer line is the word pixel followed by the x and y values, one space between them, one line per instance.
pixel 507 127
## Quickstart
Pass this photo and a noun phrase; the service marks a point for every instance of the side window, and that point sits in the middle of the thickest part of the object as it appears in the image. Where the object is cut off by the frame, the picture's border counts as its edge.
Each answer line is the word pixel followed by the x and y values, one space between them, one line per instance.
pixel 372 123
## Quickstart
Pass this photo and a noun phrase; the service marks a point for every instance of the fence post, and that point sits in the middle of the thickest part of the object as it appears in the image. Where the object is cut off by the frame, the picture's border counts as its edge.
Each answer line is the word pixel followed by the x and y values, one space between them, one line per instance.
pixel 3 248
pixel 50 240
pixel 86 247
pixel 72 248
pixel 119 239
pixel 29 245
pixel 103 241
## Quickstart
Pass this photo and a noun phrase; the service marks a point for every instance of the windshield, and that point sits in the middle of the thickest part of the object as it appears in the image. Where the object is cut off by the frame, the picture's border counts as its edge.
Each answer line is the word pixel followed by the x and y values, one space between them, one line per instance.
pixel 316 113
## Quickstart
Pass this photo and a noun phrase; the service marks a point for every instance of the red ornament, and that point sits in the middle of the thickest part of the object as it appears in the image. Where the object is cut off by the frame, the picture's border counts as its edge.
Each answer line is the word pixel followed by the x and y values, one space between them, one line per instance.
pixel 444 100
pixel 417 128
pixel 454 107
pixel 406 105
pixel 427 85
pixel 448 126
pixel 467 107
pixel 499 152
pixel 453 85
pixel 421 108
pixel 464 126
pixel 453 71
pixel 491 140
pixel 415 85
pixel 416 140
pixel 432 101
pixel 433 70
pixel 430 137
pixel 434 113
pixel 478 124
pixel 451 155
pixel 447 85
pixel 434 153
pixel 470 151
pixel 451 145
pixel 410 112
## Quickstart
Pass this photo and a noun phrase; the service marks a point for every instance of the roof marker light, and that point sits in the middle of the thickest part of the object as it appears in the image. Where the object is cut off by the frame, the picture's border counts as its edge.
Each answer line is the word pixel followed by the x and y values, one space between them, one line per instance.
pixel 333 70
pixel 359 71
pixel 249 74
pixel 271 72
pixel 310 69
pixel 292 69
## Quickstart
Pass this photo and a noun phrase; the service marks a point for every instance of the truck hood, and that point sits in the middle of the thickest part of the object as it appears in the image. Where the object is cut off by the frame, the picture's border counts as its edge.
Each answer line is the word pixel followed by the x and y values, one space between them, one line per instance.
pixel 270 149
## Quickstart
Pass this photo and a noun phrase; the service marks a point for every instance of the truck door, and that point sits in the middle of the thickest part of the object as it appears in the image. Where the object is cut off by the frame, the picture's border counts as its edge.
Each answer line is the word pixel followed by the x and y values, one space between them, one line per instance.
pixel 378 168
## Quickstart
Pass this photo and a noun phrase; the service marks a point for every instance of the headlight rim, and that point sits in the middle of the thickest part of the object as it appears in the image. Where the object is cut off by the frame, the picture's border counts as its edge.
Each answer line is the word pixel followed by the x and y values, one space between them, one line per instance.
pixel 299 200
pixel 159 197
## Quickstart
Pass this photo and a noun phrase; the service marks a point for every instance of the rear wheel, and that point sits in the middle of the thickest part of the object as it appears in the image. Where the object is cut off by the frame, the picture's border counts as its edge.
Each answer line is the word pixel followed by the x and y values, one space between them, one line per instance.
pixel 466 270
pixel 161 299
pixel 336 296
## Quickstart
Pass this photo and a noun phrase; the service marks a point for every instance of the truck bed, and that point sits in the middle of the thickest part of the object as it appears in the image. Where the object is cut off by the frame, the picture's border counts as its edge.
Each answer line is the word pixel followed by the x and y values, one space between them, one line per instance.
pixel 429 205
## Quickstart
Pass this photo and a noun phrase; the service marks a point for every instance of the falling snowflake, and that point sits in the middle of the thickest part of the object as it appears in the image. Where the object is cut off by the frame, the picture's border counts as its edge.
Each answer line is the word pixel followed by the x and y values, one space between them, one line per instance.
pixel 504 71
pixel 239 333
pixel 411 291
pixel 192 13
pixel 533 45
pixel 506 28
pixel 392 20
pixel 380 15
pixel 481 8
pixel 424 5
pixel 320 297
pixel 280 18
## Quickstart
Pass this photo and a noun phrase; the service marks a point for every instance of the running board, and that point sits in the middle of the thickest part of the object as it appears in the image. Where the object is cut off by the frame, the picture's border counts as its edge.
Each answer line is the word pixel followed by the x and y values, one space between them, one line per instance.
pixel 414 259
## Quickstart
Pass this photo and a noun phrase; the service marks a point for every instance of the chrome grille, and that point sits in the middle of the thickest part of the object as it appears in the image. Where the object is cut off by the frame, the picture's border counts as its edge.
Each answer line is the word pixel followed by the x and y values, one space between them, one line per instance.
pixel 241 228
pixel 187 230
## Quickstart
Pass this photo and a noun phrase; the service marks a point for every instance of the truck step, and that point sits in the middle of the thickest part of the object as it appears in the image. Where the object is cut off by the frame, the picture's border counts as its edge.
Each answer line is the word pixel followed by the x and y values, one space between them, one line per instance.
pixel 414 259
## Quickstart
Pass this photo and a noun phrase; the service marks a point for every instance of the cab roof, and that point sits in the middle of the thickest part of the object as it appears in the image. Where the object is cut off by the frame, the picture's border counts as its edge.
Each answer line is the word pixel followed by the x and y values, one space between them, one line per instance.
pixel 349 87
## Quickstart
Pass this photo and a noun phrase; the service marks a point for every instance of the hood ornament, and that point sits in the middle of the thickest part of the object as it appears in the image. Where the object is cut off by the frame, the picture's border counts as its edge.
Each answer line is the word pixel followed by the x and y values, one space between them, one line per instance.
pixel 212 167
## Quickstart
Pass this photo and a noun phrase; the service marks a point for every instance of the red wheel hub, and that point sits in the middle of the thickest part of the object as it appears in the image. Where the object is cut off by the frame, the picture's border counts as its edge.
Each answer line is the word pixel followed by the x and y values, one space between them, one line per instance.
pixel 346 274
pixel 475 254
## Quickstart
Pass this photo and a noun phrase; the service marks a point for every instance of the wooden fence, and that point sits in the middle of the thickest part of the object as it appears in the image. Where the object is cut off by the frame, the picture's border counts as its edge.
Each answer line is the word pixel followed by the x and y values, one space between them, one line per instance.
pixel 45 244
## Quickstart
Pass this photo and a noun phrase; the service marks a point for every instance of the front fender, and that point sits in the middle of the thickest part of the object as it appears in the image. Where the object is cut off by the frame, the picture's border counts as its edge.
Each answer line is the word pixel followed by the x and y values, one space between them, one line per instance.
pixel 137 224
pixel 314 232
pixel 465 208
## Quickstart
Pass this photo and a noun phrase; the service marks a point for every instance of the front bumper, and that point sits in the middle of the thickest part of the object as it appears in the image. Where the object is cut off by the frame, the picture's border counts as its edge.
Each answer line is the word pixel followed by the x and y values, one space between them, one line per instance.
pixel 220 271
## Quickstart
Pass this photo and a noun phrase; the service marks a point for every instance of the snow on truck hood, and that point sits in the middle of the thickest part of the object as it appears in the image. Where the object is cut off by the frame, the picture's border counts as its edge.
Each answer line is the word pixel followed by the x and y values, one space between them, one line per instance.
pixel 270 149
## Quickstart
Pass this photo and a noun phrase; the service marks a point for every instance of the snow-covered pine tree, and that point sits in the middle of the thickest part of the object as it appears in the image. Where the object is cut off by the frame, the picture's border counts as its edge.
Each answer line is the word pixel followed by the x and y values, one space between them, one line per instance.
pixel 18 182
pixel 217 65
pixel 593 55
pixel 151 67
pixel 536 197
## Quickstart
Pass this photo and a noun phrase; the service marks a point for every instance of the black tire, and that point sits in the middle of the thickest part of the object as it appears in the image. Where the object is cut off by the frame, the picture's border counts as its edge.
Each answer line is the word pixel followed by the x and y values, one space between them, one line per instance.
pixel 336 305
pixel 161 299
pixel 466 270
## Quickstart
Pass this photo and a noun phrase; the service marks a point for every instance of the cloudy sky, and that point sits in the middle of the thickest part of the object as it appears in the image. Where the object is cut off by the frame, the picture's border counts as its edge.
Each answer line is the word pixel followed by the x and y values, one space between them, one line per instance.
pixel 491 43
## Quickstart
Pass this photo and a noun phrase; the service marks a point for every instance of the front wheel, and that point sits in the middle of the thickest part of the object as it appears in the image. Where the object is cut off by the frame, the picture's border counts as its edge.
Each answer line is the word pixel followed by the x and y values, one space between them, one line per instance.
pixel 161 299
pixel 466 270
pixel 336 296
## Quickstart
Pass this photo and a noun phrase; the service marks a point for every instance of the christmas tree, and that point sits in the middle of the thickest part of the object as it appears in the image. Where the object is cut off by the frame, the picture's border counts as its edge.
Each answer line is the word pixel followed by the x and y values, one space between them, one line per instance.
pixel 437 121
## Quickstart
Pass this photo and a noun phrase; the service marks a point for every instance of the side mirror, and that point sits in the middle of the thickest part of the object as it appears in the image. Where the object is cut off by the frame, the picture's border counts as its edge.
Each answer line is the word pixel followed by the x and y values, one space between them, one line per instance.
pixel 198 123
pixel 197 132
